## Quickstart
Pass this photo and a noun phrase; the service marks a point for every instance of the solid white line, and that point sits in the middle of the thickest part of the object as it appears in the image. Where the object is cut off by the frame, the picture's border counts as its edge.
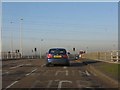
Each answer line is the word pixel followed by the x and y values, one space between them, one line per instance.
pixel 11 84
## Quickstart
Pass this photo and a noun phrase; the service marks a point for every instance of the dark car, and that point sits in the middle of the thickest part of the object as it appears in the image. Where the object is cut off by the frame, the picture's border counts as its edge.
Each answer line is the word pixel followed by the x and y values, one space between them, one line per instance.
pixel 57 56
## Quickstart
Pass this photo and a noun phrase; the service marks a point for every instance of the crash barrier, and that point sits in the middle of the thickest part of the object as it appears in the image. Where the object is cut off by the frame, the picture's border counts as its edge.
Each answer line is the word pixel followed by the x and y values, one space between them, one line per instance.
pixel 107 56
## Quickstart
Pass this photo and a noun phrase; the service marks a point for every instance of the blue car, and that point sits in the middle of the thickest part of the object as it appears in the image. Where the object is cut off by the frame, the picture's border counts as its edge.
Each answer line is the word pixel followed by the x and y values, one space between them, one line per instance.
pixel 57 56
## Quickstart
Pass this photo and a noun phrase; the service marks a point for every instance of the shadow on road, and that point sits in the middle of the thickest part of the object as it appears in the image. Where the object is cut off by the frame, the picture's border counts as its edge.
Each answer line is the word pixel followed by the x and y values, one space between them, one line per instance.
pixel 83 62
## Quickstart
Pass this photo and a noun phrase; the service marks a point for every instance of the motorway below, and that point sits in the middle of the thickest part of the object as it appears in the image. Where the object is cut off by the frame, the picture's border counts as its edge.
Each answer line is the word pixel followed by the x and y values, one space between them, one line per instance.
pixel 34 74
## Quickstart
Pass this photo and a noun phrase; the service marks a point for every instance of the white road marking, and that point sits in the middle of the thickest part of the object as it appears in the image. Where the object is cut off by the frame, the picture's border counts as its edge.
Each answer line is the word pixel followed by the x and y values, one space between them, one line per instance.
pixel 63 81
pixel 64 67
pixel 11 84
pixel 31 72
pixel 66 72
pixel 88 74
pixel 50 83
pixel 81 72
pixel 5 73
pixel 16 66
pixel 43 65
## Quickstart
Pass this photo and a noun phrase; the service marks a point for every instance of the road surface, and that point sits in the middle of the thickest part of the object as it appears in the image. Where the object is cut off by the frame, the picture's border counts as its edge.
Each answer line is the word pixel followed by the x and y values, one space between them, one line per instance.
pixel 34 74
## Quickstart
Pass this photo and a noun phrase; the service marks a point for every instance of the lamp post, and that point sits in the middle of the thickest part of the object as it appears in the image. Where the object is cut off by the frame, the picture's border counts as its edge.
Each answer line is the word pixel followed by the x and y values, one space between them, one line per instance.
pixel 41 49
pixel 21 49
pixel 11 42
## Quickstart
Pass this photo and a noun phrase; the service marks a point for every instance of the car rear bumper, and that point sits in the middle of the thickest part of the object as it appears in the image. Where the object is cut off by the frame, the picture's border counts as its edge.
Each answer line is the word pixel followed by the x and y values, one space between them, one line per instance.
pixel 58 61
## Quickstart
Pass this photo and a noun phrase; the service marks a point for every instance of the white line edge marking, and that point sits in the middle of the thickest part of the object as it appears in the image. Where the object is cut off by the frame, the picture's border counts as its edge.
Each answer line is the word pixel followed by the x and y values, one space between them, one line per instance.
pixel 11 84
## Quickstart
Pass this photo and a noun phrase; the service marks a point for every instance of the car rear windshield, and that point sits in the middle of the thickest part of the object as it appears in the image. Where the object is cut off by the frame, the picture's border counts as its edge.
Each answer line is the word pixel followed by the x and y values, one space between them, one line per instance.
pixel 57 51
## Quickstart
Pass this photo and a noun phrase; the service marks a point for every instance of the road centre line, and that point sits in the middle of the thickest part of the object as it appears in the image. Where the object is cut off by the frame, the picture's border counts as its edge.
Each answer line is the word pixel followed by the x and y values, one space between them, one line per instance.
pixel 11 84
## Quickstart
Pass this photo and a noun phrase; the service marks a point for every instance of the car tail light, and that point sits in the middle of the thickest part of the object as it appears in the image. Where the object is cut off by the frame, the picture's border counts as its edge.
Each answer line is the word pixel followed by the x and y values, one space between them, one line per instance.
pixel 65 56
pixel 49 56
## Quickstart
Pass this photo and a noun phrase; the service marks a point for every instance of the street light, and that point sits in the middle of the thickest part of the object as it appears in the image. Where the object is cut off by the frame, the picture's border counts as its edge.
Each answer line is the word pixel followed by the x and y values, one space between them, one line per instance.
pixel 41 49
pixel 21 50
pixel 11 41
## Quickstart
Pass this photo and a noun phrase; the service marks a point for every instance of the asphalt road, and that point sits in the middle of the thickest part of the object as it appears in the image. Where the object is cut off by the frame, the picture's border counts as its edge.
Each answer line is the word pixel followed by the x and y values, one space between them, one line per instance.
pixel 34 74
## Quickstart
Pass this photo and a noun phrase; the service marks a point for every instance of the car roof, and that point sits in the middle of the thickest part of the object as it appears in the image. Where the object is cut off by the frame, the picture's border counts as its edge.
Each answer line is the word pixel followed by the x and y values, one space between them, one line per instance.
pixel 57 48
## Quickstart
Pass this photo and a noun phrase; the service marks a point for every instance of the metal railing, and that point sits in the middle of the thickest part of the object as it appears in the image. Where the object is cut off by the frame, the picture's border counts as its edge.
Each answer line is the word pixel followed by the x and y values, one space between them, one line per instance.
pixel 112 56
pixel 10 55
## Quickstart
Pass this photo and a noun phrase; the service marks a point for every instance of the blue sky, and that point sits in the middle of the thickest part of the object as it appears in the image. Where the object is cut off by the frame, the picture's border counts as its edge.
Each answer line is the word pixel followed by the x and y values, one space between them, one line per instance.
pixel 83 25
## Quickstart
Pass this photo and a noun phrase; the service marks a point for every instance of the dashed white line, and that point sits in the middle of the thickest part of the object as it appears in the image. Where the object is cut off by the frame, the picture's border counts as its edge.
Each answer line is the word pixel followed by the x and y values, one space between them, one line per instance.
pixel 5 73
pixel 31 72
pixel 66 72
pixel 11 84
pixel 64 67
pixel 17 66
pixel 43 65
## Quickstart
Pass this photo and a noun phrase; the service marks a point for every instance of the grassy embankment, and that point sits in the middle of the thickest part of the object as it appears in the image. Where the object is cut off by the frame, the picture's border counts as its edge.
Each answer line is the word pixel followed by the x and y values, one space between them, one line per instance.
pixel 110 69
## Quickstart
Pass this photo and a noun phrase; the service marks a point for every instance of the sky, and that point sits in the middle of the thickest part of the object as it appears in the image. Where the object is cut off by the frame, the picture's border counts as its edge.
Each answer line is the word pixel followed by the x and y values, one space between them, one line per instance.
pixel 91 26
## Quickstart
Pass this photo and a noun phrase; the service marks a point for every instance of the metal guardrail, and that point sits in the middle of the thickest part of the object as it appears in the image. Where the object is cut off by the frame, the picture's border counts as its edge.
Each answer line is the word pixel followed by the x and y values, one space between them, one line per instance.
pixel 112 56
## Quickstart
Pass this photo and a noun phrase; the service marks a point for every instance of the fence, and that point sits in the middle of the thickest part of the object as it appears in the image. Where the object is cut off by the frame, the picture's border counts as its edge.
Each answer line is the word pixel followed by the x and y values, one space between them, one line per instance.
pixel 107 56
pixel 14 55
pixel 10 55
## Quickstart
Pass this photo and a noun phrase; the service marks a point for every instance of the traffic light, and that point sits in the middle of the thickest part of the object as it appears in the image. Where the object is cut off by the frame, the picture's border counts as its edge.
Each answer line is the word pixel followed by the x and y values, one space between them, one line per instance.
pixel 73 49
pixel 35 49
